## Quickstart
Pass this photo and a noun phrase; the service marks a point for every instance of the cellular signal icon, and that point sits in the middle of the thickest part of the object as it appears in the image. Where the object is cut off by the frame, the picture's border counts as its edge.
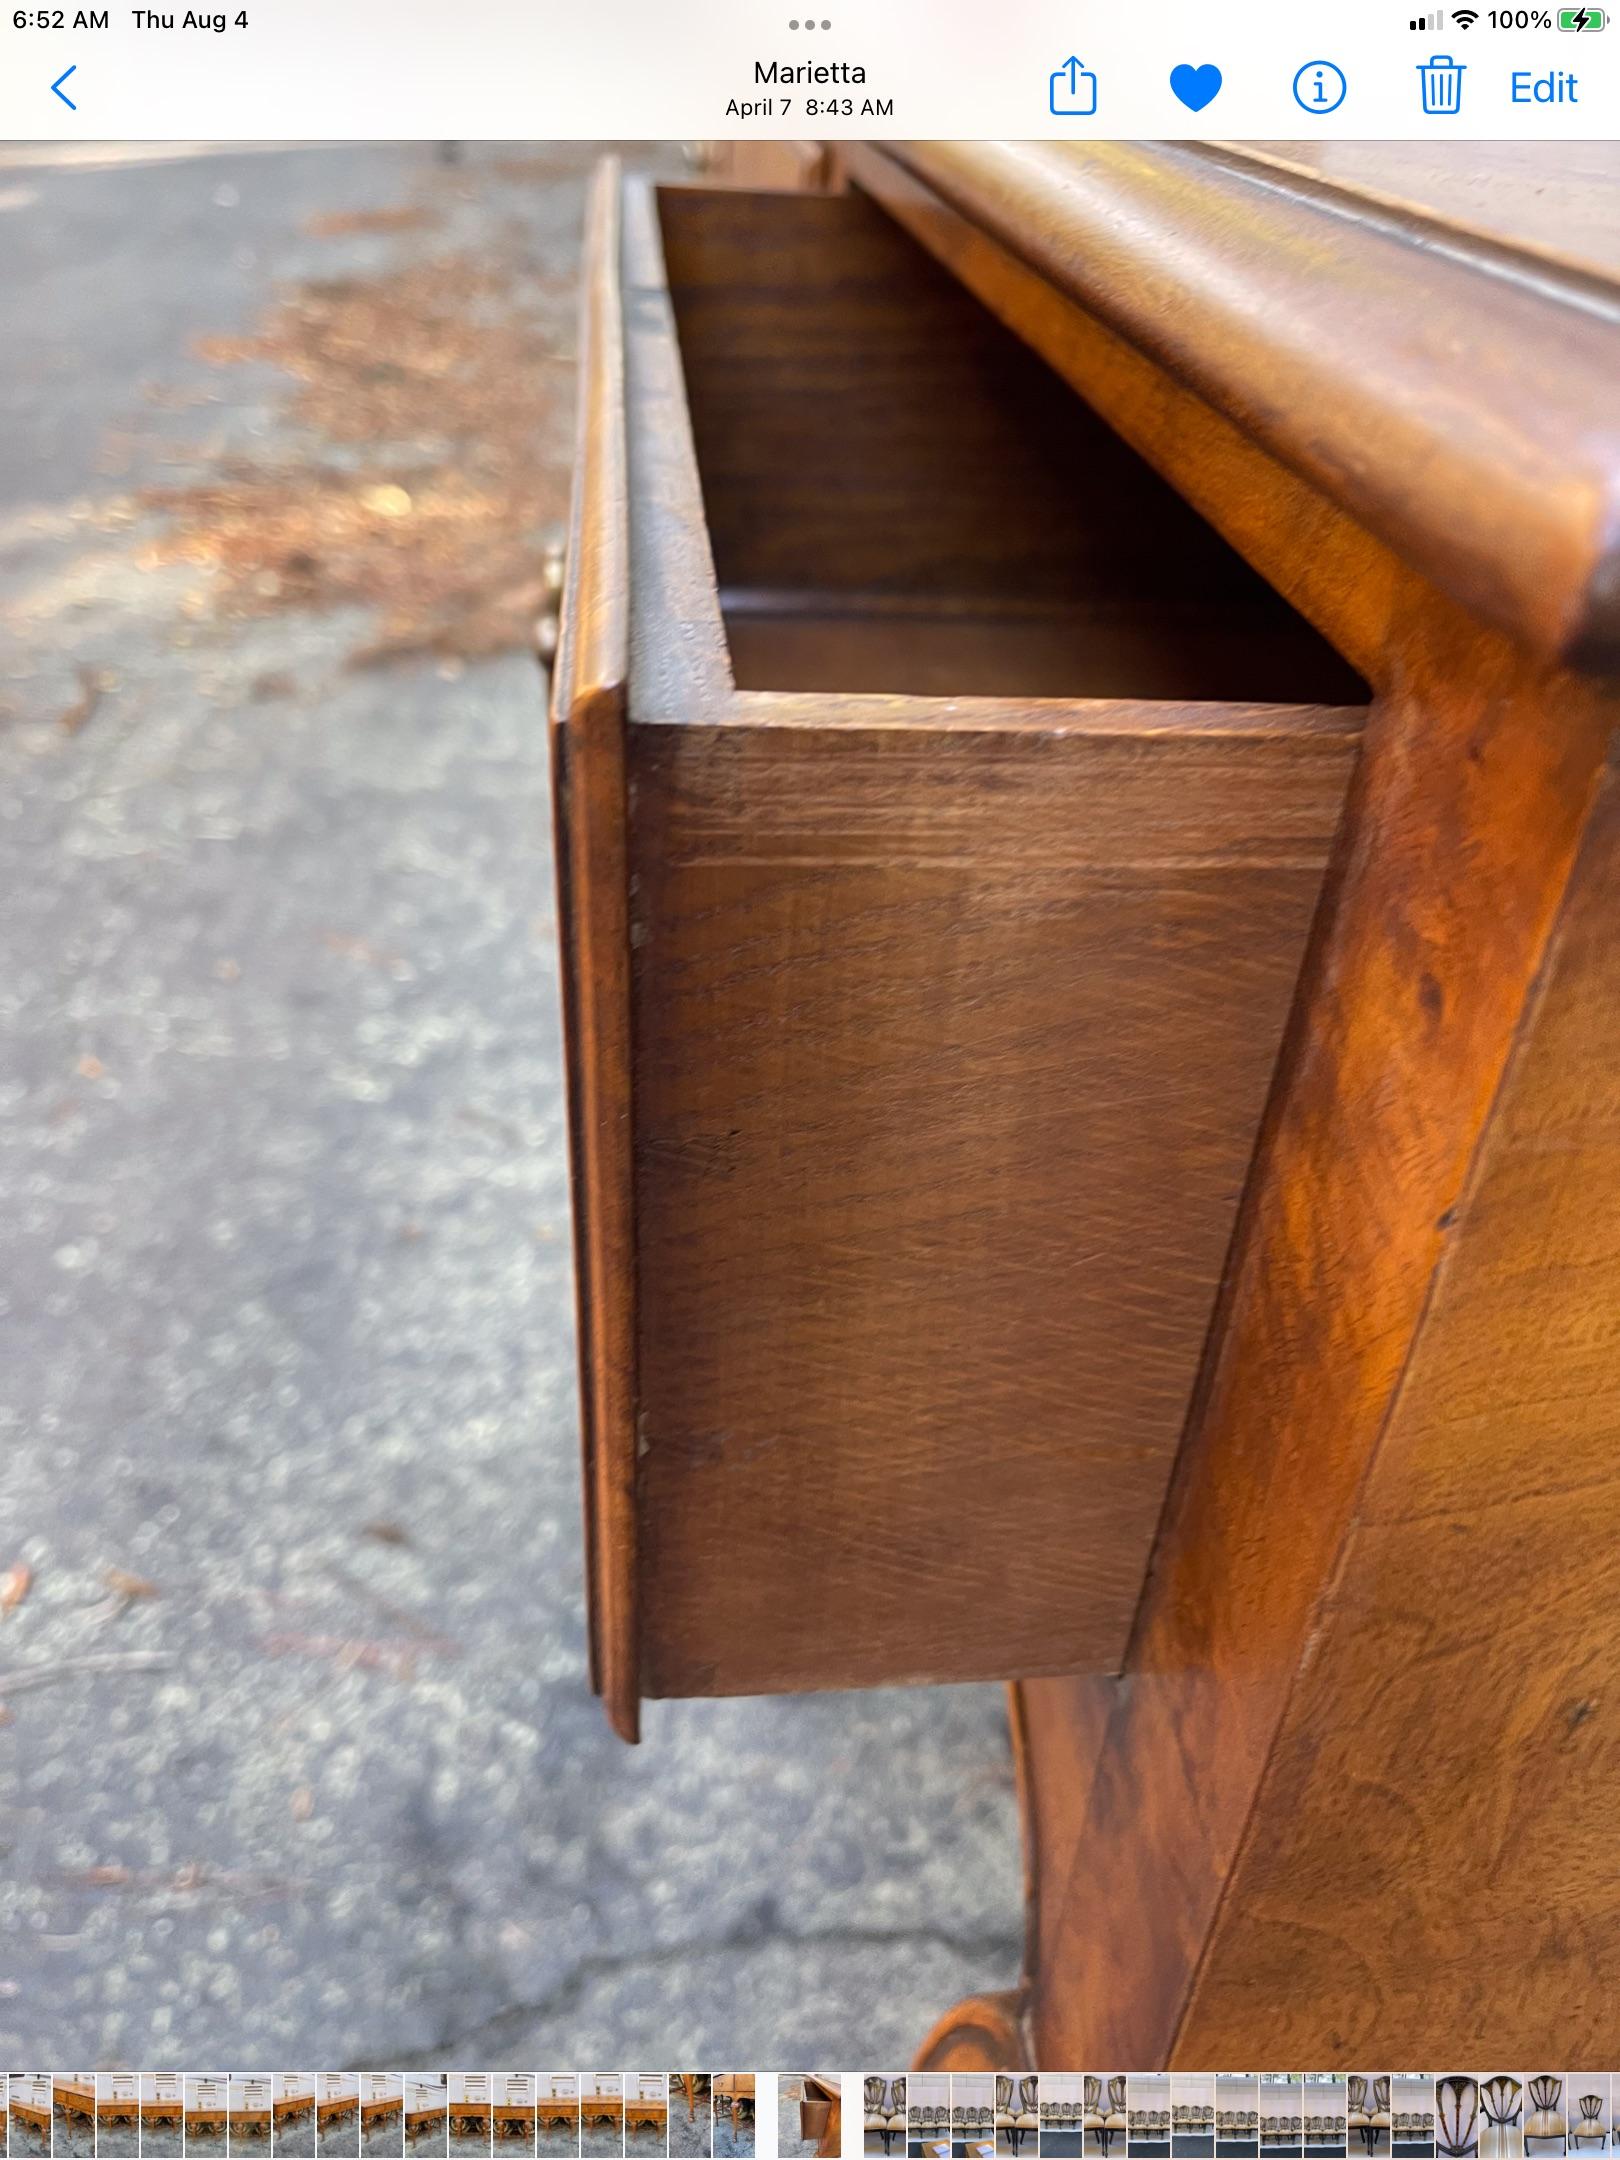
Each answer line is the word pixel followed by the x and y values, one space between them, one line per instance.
pixel 1436 21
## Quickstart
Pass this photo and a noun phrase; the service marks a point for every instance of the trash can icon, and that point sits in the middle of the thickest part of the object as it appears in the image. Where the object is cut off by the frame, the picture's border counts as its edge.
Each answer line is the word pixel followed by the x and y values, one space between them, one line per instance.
pixel 1441 77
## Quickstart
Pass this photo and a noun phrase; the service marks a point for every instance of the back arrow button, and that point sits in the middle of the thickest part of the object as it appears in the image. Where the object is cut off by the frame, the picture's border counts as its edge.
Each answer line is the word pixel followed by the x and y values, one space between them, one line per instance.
pixel 60 92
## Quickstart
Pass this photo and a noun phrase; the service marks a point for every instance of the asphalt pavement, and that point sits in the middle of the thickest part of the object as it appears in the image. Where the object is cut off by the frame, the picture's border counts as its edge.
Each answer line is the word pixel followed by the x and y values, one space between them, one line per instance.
pixel 298 1763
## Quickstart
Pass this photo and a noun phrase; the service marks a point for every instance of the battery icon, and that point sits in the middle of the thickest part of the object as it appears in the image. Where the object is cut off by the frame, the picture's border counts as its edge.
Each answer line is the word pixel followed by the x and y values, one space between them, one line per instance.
pixel 1582 18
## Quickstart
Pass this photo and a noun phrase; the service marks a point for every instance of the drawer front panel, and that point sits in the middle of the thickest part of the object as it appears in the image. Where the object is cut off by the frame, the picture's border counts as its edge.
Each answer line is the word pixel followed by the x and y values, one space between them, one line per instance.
pixel 950 1055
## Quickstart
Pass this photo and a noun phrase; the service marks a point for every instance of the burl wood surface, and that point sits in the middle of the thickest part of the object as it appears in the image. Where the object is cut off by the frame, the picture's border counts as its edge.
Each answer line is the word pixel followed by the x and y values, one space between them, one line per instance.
pixel 1459 1720
pixel 952 1022
pixel 1357 1778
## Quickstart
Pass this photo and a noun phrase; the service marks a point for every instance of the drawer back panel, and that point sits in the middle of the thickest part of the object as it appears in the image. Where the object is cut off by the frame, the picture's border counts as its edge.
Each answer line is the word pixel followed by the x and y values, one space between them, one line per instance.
pixel 901 496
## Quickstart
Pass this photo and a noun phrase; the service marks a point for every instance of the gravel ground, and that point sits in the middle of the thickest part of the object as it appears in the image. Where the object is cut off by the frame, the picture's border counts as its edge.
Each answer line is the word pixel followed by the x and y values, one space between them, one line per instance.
pixel 689 2135
pixel 298 1762
pixel 733 2140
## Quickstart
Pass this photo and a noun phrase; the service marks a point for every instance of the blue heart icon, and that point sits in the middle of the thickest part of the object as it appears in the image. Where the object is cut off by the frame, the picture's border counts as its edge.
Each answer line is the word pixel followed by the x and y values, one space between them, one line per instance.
pixel 1195 86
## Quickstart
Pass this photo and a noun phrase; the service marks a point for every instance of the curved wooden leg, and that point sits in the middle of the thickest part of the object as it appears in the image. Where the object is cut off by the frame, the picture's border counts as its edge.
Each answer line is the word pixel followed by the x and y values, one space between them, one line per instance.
pixel 984 2032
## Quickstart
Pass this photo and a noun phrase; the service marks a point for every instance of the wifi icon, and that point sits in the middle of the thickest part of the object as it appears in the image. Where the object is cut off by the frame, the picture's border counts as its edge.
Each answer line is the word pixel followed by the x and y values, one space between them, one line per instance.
pixel 1465 18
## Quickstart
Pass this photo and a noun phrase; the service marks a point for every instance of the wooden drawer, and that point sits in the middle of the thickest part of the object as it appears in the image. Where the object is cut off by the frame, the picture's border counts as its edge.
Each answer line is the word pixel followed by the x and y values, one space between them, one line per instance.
pixel 942 808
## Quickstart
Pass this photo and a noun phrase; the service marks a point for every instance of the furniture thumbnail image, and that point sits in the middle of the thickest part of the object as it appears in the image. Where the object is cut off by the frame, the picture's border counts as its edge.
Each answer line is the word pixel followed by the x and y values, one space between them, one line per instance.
pixel 1456 2116
pixel 810 2115
pixel 118 2114
pixel 468 2110
pixel 337 2115
pixel 1282 2117
pixel 1546 2128
pixel 646 2111
pixel 1062 2105
pixel 1457 2122
pixel 973 2114
pixel 556 2110
pixel 248 2111
pixel 1367 2099
pixel 885 2105
pixel 382 2113
pixel 733 2093
pixel 1588 2114
pixel 1018 2109
pixel 28 2112
pixel 513 2112
pixel 1237 2117
pixel 208 2106
pixel 1192 2115
pixel 1412 2116
pixel 292 2097
pixel 292 2115
pixel 601 2113
pixel 73 2110
pixel 163 2115
pixel 427 2113
pixel 1326 2107
pixel 1501 2117
pixel 1105 2113
pixel 928 2115
pixel 1149 2113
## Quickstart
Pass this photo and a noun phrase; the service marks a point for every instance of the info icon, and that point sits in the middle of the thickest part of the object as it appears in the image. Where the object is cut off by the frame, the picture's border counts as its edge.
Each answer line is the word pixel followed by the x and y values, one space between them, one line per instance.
pixel 1320 87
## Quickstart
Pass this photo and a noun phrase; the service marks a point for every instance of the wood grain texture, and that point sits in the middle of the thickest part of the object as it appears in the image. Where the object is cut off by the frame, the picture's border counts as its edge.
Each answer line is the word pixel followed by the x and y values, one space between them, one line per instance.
pixel 1457 1724
pixel 982 2033
pixel 900 495
pixel 588 793
pixel 914 984
pixel 918 1148
pixel 1326 1710
pixel 1453 867
pixel 1539 198
pixel 1343 579
pixel 953 1017
pixel 758 164
pixel 1289 306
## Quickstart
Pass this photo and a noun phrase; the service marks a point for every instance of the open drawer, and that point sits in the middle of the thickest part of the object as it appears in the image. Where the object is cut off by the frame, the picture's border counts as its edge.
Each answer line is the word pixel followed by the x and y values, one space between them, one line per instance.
pixel 942 807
